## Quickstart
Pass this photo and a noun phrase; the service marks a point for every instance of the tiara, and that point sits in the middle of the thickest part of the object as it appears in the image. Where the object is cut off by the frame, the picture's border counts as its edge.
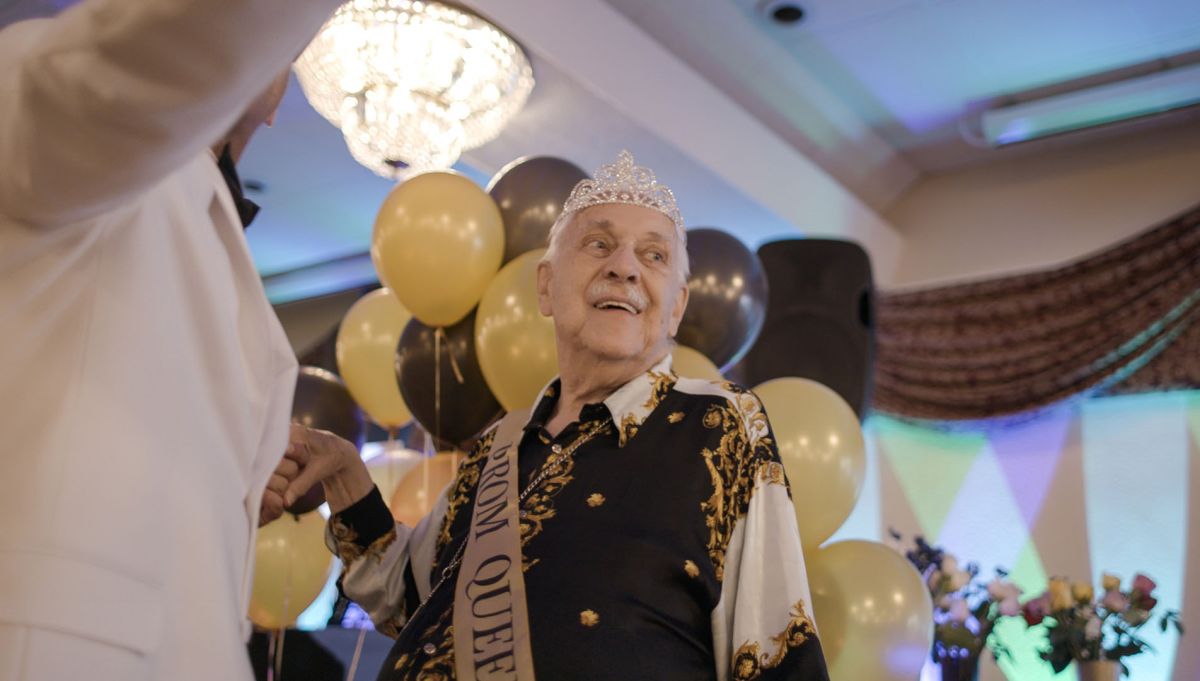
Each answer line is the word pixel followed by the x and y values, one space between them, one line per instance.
pixel 624 182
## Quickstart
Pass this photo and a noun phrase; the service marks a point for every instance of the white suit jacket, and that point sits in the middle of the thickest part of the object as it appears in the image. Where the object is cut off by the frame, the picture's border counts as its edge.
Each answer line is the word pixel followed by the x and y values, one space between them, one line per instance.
pixel 145 382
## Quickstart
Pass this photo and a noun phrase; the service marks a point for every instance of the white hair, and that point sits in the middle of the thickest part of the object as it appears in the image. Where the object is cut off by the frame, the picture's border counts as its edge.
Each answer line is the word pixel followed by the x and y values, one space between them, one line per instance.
pixel 680 258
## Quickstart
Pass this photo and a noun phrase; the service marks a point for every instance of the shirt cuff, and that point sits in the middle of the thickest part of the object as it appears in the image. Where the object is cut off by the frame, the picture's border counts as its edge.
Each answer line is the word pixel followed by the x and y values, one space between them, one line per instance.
pixel 366 526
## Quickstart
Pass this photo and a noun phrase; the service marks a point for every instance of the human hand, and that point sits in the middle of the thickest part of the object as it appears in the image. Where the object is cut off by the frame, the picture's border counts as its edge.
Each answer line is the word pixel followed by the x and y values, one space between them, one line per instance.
pixel 273 504
pixel 330 461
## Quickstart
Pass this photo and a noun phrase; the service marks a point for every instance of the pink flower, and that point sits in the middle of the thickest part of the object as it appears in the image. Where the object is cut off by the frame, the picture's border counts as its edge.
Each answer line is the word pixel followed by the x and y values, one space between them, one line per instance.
pixel 1010 607
pixel 949 563
pixel 959 579
pixel 1091 630
pixel 934 579
pixel 1115 601
pixel 999 590
pixel 1035 610
pixel 1140 597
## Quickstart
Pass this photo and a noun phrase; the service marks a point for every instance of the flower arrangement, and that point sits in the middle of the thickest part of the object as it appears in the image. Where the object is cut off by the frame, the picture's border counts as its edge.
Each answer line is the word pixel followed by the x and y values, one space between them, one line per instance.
pixel 1081 627
pixel 965 608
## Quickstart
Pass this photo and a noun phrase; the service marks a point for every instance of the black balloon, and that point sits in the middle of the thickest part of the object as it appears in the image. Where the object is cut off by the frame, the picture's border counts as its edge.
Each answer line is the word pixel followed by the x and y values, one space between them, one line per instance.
pixel 727 296
pixel 323 402
pixel 530 193
pixel 466 408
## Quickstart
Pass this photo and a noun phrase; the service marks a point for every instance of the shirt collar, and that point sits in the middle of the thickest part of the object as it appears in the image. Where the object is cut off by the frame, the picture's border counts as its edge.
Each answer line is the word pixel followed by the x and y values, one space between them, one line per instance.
pixel 629 406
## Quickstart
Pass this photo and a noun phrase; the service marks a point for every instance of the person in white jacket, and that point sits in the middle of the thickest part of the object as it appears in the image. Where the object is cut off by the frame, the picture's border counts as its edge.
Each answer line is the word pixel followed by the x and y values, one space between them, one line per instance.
pixel 145 383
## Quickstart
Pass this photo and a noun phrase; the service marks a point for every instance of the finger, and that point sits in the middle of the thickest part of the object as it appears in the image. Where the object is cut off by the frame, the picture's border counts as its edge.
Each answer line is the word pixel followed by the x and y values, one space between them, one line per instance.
pixel 309 476
pixel 297 439
pixel 287 468
pixel 277 484
pixel 270 510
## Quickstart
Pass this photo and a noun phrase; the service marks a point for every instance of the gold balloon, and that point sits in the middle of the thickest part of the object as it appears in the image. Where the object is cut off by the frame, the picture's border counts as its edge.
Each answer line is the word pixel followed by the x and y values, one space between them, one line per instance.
pixel 390 466
pixel 418 490
pixel 366 356
pixel 515 343
pixel 292 566
pixel 690 363
pixel 872 611
pixel 821 443
pixel 438 241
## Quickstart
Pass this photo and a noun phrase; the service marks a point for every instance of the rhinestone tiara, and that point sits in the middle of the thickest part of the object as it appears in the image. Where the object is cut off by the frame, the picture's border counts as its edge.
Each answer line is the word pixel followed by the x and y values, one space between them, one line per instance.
pixel 624 182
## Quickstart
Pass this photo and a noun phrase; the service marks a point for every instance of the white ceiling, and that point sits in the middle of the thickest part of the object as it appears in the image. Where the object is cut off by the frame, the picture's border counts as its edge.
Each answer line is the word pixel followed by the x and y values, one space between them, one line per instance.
pixel 761 130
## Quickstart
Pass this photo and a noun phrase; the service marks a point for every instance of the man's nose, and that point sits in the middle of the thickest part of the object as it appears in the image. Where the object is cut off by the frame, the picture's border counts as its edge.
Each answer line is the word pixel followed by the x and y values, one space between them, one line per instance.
pixel 623 265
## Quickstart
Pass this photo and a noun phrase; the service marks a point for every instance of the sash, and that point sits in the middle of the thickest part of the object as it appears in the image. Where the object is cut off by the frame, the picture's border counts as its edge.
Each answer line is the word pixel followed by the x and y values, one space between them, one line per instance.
pixel 491 624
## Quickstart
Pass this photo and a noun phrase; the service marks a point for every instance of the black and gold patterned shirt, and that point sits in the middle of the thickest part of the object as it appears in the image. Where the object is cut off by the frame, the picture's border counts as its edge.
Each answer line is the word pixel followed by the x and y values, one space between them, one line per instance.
pixel 665 548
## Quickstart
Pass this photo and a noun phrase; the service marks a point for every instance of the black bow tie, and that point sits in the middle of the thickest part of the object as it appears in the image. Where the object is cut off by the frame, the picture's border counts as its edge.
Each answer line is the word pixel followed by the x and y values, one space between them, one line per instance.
pixel 246 208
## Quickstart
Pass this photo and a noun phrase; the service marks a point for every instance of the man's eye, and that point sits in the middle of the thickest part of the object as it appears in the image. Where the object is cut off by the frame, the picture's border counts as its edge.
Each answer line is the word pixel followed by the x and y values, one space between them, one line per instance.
pixel 657 256
pixel 597 244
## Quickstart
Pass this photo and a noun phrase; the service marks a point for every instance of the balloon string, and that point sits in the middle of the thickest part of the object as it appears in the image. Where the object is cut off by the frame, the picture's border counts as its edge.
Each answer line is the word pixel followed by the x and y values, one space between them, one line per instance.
pixel 279 655
pixel 423 497
pixel 453 362
pixel 283 618
pixel 439 336
pixel 388 451
pixel 437 383
pixel 270 655
pixel 362 634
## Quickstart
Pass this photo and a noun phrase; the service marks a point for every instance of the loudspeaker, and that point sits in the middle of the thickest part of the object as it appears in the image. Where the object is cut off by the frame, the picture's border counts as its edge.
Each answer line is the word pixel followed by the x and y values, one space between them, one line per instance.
pixel 820 318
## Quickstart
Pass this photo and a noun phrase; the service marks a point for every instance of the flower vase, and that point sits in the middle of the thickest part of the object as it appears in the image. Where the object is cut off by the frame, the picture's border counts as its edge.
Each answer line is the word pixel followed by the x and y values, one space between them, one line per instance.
pixel 1099 670
pixel 960 668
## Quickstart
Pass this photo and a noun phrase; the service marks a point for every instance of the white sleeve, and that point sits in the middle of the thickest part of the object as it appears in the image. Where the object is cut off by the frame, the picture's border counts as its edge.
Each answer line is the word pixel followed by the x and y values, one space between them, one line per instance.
pixel 762 625
pixel 373 573
pixel 106 98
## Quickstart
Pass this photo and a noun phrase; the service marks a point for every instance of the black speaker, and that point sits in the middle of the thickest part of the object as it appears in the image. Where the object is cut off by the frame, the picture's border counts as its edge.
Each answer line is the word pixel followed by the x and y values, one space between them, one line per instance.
pixel 820 318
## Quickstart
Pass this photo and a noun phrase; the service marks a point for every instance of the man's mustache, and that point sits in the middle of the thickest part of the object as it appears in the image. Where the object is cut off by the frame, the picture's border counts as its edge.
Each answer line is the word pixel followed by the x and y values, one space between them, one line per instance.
pixel 605 290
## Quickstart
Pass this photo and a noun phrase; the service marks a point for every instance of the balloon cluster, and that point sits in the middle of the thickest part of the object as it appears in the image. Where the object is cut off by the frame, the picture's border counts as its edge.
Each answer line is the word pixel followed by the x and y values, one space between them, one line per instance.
pixel 456 337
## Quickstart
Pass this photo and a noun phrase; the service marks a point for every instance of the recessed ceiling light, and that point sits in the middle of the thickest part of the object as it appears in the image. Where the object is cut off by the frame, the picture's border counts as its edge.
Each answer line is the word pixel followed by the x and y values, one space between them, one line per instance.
pixel 782 12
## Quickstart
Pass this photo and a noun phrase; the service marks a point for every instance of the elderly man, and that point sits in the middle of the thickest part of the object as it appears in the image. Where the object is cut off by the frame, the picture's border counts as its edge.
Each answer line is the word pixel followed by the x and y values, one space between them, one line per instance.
pixel 146 382
pixel 634 525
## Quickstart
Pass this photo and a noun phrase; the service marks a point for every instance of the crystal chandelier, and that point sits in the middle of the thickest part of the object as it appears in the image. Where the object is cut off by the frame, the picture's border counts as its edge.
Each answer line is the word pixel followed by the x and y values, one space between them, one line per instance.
pixel 413 84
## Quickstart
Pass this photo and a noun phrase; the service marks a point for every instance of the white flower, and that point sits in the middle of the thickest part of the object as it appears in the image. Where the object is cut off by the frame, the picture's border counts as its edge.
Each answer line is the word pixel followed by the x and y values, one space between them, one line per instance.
pixel 1091 631
pixel 959 611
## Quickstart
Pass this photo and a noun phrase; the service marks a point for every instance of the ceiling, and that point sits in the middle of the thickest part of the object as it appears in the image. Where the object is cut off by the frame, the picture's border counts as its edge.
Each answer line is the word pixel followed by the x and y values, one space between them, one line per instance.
pixel 761 129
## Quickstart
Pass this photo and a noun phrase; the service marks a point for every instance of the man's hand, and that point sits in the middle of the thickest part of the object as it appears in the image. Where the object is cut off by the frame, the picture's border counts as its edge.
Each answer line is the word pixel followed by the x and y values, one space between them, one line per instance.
pixel 329 460
pixel 273 505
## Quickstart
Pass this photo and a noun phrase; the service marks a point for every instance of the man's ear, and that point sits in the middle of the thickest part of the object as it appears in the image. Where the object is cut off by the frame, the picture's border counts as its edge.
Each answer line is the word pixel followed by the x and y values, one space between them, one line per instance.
pixel 543 288
pixel 680 307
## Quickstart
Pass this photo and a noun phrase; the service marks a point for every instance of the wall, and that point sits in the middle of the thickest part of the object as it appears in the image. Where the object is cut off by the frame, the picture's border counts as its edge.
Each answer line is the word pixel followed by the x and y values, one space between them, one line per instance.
pixel 1103 485
pixel 1043 209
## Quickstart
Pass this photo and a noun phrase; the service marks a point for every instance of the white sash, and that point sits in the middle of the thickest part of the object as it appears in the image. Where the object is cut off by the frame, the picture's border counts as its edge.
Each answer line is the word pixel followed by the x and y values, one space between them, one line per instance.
pixel 491 624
